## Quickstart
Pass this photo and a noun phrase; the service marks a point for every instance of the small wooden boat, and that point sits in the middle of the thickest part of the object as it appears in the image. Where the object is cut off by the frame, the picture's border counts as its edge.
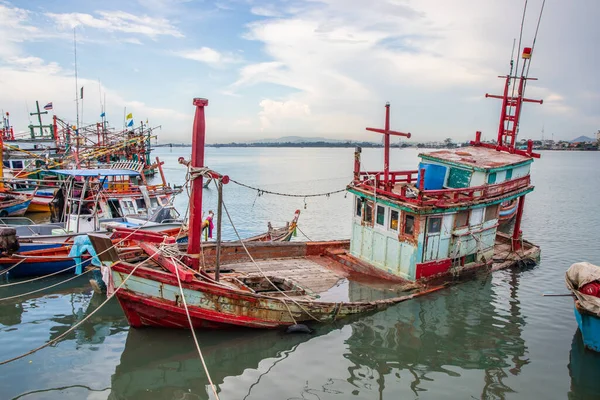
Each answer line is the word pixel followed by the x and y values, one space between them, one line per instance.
pixel 583 279
pixel 282 234
pixel 508 210
pixel 13 205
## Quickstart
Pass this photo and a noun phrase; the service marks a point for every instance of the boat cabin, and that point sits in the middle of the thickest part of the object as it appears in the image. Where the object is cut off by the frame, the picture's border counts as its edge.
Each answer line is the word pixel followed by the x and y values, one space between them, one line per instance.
pixel 93 198
pixel 442 217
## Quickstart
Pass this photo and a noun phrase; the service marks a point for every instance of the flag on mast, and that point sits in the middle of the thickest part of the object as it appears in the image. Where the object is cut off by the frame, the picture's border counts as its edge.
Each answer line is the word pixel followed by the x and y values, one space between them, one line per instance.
pixel 129 116
pixel 81 91
pixel 48 106
pixel 130 123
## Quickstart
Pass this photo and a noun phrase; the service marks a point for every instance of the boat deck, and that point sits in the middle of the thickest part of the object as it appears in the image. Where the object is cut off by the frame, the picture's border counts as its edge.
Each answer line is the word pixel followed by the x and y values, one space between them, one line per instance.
pixel 329 280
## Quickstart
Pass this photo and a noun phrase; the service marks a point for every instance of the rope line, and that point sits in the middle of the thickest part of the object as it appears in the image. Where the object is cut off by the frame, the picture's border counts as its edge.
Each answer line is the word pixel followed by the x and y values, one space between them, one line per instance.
pixel 44 288
pixel 262 191
pixel 187 312
pixel 8 269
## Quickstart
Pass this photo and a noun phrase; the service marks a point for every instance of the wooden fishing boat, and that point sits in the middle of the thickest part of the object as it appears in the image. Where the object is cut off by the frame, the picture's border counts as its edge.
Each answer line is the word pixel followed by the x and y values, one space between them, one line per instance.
pixel 13 206
pixel 508 210
pixel 412 233
pixel 281 234
pixel 583 279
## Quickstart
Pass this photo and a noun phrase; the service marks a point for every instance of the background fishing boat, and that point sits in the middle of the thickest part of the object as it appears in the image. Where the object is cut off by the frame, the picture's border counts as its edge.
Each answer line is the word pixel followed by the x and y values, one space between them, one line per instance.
pixel 583 279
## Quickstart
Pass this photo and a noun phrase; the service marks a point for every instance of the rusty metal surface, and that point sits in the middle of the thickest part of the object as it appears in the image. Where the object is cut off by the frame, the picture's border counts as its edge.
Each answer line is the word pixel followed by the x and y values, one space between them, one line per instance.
pixel 480 157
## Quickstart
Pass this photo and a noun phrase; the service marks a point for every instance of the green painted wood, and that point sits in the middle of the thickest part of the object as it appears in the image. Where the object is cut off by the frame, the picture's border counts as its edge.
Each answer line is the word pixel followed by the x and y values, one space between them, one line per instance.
pixel 492 177
pixel 458 178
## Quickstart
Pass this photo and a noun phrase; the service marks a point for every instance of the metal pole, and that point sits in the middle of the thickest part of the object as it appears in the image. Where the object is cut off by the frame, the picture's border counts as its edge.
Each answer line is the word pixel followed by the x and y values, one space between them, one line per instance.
pixel 219 212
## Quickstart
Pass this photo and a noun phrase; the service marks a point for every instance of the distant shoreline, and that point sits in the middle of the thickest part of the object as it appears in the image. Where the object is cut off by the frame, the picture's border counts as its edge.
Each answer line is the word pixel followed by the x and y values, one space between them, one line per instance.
pixel 352 145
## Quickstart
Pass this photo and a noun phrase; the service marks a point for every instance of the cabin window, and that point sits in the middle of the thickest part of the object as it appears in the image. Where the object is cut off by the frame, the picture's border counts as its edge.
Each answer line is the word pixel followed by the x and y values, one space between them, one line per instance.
pixel 359 205
pixel 492 177
pixel 394 217
pixel 434 225
pixel 380 217
pixel 17 164
pixel 470 258
pixel 140 203
pixel 368 216
pixel 491 212
pixel 462 219
pixel 6 164
pixel 409 224
pixel 509 174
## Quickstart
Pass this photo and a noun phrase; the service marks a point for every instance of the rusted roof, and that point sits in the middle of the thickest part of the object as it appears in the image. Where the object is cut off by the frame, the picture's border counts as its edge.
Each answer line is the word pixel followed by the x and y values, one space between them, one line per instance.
pixel 477 157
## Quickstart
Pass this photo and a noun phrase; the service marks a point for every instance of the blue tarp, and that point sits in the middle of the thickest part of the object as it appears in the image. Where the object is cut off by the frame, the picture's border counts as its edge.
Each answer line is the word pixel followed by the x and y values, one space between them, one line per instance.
pixel 95 172
pixel 81 244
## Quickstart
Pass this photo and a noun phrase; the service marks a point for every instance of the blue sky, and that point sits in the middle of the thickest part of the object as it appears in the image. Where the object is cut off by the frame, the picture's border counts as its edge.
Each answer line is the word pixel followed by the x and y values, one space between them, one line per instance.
pixel 309 68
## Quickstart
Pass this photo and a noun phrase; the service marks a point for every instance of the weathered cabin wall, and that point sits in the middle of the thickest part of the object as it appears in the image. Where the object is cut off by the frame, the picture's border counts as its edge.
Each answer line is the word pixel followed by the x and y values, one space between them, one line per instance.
pixel 478 237
pixel 383 246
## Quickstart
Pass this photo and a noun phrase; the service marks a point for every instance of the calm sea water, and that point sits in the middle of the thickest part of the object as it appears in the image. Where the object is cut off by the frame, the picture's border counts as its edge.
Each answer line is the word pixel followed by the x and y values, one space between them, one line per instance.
pixel 492 338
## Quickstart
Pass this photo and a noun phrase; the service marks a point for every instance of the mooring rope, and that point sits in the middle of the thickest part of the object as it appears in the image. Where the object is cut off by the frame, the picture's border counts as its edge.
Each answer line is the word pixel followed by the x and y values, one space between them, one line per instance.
pixel 11 267
pixel 44 288
pixel 83 320
pixel 187 312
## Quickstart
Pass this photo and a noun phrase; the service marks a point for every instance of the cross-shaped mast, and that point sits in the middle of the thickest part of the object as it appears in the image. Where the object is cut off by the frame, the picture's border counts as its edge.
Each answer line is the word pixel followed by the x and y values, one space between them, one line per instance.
pixel 386 154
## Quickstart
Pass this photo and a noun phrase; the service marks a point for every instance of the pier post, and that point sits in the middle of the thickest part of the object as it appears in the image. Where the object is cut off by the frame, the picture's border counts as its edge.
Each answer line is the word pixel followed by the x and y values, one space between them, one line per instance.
pixel 195 228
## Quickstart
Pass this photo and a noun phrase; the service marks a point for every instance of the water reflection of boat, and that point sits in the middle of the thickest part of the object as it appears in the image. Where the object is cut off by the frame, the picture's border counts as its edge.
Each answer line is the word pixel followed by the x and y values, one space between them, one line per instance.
pixel 166 364
pixel 454 330
pixel 583 370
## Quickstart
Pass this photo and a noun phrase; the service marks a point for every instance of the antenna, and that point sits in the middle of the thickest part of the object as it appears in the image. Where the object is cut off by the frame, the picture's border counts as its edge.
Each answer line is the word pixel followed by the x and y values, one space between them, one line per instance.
pixel 76 85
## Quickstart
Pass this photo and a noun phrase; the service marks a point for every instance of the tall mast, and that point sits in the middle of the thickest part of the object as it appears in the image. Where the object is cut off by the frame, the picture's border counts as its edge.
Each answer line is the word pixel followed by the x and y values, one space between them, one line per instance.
pixel 510 113
pixel 76 85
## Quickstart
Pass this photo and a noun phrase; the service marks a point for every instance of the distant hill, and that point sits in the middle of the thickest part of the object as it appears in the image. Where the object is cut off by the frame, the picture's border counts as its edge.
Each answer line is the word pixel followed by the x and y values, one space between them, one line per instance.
pixel 583 139
pixel 299 139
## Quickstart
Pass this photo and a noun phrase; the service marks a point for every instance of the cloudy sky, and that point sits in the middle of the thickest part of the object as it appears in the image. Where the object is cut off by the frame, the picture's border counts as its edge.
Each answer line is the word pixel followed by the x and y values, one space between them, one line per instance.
pixel 309 68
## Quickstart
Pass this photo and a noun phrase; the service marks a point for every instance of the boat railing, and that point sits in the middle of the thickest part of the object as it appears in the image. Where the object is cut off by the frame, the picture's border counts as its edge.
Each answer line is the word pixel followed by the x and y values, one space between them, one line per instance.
pixel 415 194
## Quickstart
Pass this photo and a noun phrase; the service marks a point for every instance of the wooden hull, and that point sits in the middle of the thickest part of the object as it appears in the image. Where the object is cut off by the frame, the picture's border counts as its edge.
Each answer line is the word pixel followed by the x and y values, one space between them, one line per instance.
pixel 43 262
pixel 14 208
pixel 151 297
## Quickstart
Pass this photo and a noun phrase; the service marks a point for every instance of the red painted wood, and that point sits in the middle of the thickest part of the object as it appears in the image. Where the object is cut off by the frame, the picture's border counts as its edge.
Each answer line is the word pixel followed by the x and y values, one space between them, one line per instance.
pixel 431 268
pixel 145 311
pixel 195 230
pixel 184 274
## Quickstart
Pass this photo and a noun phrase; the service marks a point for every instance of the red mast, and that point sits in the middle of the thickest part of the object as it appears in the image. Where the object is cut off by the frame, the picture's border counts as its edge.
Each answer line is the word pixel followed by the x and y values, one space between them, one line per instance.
pixel 195 228
pixel 386 155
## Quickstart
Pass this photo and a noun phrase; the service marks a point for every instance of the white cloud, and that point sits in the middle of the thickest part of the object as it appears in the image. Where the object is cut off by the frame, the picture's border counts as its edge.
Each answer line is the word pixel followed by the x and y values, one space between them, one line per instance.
pixel 209 56
pixel 276 111
pixel 340 57
pixel 117 21
pixel 265 11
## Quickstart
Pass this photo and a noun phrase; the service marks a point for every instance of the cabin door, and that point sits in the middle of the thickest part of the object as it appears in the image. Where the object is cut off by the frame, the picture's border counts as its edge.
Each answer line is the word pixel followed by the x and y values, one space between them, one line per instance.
pixel 432 238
